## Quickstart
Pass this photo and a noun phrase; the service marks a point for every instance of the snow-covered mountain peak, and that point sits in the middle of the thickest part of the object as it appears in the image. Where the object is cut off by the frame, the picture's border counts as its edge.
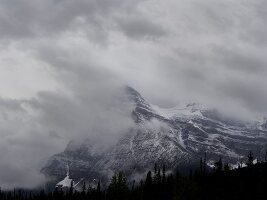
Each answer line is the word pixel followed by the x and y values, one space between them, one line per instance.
pixel 135 97
pixel 176 136
pixel 181 110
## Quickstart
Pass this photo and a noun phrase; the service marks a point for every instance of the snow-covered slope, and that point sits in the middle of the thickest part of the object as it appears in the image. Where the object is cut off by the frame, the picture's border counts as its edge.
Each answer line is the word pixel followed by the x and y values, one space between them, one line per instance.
pixel 176 136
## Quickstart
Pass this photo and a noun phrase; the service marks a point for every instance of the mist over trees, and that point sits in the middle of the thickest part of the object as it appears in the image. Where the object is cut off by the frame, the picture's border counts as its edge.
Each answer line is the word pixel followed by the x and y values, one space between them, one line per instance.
pixel 221 182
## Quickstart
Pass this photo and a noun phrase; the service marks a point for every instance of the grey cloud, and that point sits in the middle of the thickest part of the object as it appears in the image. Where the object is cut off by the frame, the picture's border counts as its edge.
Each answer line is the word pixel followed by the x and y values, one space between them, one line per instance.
pixel 235 59
pixel 207 51
pixel 255 25
pixel 245 92
pixel 11 104
pixel 22 149
pixel 49 122
pixel 139 28
pixel 28 19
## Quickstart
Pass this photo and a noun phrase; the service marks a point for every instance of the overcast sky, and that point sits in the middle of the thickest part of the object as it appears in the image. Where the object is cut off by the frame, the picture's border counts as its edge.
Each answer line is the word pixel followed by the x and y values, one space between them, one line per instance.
pixel 63 62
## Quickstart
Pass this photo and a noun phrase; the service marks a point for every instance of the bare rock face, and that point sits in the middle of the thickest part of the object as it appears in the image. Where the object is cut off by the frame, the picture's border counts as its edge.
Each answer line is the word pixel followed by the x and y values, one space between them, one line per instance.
pixel 177 136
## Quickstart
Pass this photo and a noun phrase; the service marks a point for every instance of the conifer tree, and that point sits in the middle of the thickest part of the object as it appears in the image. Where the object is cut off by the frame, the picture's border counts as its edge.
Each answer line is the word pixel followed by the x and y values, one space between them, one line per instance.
pixel 148 187
pixel 133 185
pixel 71 189
pixel 84 187
pixel 118 189
pixel 158 177
pixel 98 190
pixel 205 163
pixel 155 169
pixel 226 167
pixel 148 181
pixel 164 174
pixel 250 159
pixel 219 165
pixel 201 165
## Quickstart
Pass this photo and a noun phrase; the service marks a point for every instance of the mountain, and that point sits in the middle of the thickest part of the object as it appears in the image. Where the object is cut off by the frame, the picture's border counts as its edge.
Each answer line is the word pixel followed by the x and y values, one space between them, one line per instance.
pixel 177 136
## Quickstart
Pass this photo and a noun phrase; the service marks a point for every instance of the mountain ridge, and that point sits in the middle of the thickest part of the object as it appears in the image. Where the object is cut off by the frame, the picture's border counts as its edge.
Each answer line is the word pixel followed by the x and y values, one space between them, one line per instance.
pixel 177 136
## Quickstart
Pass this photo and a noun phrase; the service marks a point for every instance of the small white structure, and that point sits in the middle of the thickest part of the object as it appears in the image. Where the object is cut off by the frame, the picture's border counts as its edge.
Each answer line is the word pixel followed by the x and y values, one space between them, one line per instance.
pixel 67 182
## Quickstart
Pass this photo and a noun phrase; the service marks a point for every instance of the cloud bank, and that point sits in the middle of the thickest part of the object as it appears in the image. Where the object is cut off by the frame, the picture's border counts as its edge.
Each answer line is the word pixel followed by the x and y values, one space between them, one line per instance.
pixel 62 64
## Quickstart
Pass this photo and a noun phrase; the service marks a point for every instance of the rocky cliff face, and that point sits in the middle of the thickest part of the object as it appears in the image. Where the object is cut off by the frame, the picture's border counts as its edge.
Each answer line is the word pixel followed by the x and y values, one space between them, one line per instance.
pixel 176 136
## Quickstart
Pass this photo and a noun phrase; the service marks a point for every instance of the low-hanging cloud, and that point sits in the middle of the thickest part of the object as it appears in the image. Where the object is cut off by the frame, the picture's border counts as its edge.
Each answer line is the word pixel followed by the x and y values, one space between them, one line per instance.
pixel 77 55
pixel 37 128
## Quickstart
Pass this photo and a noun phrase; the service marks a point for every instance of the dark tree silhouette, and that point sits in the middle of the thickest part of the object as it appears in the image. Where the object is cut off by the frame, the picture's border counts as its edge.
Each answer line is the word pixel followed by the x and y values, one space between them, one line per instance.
pixel 245 183
pixel 226 167
pixel 250 159
pixel 219 165
pixel 118 188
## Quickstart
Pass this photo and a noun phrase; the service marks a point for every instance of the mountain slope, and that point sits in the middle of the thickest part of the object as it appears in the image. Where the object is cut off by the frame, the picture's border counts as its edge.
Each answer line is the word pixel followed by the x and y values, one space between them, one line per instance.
pixel 176 136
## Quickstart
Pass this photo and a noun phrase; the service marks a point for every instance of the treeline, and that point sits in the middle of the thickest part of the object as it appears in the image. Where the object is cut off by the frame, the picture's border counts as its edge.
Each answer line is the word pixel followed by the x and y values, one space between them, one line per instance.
pixel 221 183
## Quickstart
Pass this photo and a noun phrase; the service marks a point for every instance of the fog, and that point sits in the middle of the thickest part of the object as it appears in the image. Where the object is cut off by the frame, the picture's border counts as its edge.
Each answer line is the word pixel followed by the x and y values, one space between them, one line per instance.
pixel 63 65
